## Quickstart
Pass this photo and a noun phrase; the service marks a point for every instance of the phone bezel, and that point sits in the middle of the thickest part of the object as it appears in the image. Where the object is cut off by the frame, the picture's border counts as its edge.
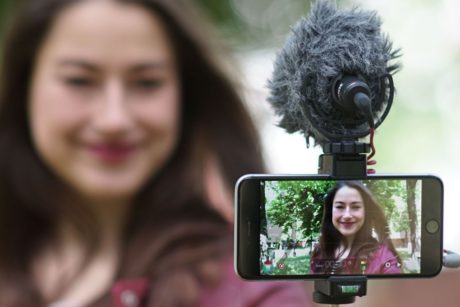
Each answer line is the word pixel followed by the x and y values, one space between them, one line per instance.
pixel 247 225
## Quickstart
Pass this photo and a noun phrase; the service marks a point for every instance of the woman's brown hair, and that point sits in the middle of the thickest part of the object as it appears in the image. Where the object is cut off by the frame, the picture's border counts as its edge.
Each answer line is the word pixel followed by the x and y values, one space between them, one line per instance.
pixel 172 231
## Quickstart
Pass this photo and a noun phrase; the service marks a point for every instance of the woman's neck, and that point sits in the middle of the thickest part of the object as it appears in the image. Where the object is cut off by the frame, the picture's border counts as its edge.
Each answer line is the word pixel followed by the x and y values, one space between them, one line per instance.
pixel 67 258
pixel 110 217
pixel 343 251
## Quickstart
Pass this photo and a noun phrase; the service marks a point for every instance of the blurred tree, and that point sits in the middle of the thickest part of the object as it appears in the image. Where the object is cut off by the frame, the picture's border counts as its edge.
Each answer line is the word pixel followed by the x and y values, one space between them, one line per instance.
pixel 4 7
pixel 221 13
pixel 256 23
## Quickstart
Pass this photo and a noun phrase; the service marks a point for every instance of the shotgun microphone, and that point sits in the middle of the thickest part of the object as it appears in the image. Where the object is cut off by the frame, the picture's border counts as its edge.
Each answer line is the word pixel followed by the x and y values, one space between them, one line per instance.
pixel 332 80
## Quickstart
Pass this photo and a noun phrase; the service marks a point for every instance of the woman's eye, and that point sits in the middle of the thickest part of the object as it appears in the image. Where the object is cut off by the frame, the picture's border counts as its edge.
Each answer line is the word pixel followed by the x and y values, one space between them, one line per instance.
pixel 79 81
pixel 148 83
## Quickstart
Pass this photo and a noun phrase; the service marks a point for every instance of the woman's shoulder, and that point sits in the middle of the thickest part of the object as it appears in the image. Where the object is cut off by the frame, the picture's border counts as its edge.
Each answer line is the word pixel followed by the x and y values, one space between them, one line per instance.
pixel 232 291
pixel 381 252
pixel 384 250
pixel 384 260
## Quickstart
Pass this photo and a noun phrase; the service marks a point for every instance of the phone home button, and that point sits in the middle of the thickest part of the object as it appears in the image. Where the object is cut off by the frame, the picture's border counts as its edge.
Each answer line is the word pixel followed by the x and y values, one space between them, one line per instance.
pixel 432 226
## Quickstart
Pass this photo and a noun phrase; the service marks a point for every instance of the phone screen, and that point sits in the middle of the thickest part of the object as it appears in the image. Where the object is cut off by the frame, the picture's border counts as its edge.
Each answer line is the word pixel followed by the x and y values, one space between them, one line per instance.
pixel 375 226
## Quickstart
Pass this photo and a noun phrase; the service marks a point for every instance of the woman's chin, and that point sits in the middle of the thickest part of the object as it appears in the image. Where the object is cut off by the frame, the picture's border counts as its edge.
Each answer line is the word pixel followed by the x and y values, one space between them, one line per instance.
pixel 107 194
pixel 107 187
pixel 348 232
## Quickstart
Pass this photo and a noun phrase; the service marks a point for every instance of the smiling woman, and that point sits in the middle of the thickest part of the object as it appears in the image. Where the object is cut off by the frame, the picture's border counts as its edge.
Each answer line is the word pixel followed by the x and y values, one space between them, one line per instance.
pixel 102 115
pixel 120 141
pixel 354 234
pixel 348 213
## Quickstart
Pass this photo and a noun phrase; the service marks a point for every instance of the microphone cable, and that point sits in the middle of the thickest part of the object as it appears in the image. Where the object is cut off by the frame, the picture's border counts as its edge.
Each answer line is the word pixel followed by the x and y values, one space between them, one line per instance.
pixel 372 153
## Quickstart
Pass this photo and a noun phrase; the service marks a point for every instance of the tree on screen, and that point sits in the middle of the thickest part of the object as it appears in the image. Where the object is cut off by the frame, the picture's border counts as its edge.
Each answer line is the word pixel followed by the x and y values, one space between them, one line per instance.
pixel 412 214
pixel 297 205
pixel 403 218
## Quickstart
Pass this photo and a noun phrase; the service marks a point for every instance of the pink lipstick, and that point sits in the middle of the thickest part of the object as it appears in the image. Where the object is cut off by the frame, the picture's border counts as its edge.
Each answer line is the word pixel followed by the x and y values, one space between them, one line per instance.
pixel 112 153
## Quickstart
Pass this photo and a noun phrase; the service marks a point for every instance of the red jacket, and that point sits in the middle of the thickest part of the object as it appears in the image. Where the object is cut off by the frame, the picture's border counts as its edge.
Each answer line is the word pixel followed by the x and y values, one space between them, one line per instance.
pixel 230 292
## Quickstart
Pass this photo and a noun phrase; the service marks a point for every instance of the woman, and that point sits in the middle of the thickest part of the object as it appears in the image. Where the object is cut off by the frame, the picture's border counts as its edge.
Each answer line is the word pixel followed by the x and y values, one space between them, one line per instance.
pixel 120 141
pixel 354 234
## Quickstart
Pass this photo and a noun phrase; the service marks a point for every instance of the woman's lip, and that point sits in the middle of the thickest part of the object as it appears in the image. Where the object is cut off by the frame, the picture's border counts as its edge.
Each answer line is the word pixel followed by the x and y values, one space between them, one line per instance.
pixel 112 152
pixel 347 224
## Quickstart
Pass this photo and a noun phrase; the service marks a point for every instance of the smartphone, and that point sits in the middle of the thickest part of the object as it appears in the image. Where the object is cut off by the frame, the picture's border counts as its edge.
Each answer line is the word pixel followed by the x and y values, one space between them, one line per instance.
pixel 315 226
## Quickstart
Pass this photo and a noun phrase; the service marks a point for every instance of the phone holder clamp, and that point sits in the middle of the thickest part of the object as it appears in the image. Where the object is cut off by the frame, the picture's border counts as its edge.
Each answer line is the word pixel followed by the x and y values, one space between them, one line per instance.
pixel 339 289
pixel 342 159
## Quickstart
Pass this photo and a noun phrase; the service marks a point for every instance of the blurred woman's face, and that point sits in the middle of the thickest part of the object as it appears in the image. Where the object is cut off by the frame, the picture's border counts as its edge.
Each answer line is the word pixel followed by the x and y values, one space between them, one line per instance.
pixel 348 212
pixel 105 99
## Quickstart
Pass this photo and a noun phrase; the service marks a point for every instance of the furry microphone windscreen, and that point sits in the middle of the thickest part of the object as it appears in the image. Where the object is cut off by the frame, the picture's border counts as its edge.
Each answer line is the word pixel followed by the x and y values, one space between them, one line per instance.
pixel 327 45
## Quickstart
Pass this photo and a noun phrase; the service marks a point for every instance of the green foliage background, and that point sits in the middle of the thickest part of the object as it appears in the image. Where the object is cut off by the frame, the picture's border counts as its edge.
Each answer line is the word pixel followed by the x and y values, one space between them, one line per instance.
pixel 299 204
pixel 4 6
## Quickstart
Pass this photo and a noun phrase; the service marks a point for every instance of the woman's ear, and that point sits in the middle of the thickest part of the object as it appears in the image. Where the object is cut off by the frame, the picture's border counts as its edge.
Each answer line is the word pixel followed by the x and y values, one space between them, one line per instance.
pixel 216 189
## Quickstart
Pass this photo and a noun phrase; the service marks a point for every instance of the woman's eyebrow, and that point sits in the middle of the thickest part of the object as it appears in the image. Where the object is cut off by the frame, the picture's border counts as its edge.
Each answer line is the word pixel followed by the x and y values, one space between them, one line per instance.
pixel 157 65
pixel 78 63
pixel 343 202
pixel 138 67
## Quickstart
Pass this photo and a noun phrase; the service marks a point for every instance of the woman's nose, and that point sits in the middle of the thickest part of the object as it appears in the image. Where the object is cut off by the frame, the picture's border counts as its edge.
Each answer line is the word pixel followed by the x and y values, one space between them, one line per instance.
pixel 112 116
pixel 347 213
